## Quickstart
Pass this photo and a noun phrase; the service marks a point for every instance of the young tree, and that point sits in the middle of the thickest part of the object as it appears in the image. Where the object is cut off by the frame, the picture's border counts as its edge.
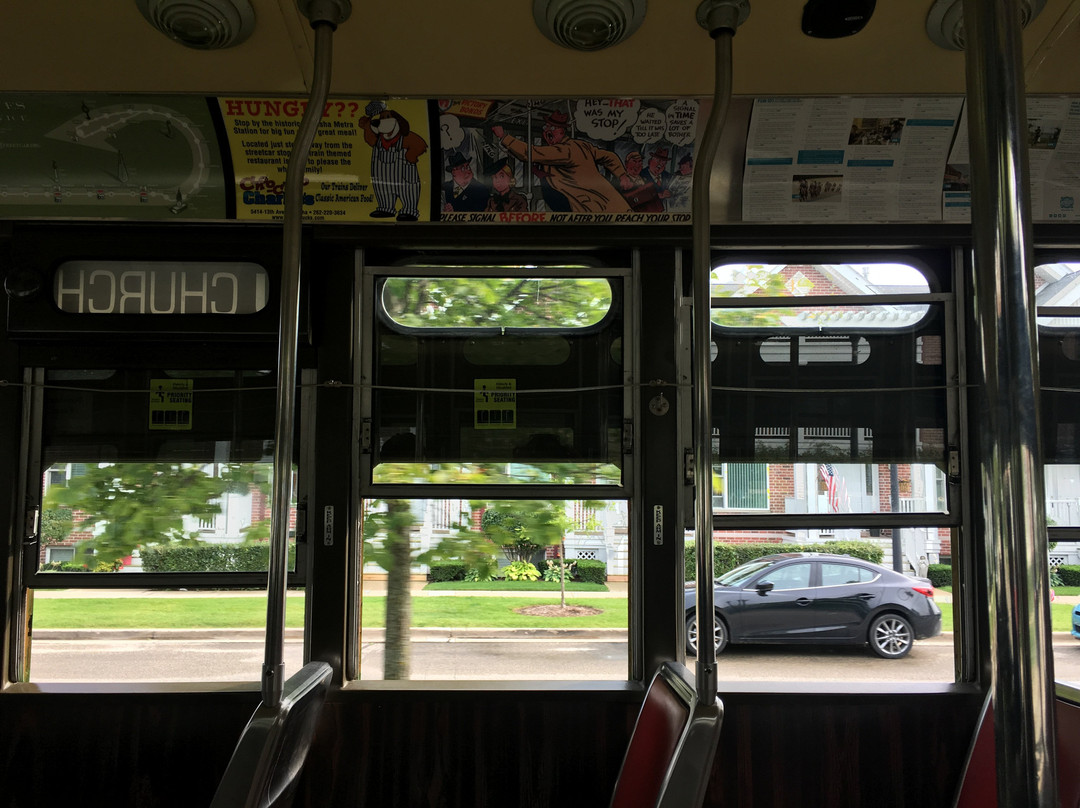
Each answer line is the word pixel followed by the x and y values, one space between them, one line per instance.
pixel 387 540
pixel 521 527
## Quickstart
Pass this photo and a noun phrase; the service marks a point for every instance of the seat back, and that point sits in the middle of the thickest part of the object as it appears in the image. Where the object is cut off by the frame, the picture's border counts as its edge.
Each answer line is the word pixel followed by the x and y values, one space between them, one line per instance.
pixel 270 753
pixel 978 782
pixel 669 759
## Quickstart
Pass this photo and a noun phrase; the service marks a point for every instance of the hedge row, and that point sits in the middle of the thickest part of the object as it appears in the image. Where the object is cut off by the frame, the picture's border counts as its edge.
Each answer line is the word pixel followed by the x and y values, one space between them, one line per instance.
pixel 940 574
pixel 1069 574
pixel 585 569
pixel 729 556
pixel 211 558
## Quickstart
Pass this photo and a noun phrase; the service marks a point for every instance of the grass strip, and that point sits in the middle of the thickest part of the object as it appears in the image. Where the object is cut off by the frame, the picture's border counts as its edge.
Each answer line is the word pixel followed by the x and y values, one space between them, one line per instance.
pixel 427 612
pixel 451 611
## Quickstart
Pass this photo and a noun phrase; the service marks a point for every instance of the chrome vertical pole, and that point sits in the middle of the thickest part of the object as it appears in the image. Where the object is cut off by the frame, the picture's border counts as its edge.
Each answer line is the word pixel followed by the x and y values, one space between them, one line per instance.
pixel 720 18
pixel 1009 458
pixel 325 15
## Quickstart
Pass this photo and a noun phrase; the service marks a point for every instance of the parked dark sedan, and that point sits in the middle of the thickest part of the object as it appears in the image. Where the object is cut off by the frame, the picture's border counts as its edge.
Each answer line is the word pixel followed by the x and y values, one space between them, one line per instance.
pixel 816 598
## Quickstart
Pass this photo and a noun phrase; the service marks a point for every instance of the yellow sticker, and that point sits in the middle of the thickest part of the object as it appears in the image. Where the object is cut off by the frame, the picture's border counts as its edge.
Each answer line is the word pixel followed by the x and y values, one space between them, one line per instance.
pixel 495 403
pixel 170 404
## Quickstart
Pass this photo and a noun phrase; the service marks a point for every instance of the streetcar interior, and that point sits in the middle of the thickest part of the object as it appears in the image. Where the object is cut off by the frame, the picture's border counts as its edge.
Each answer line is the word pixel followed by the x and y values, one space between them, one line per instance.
pixel 484 390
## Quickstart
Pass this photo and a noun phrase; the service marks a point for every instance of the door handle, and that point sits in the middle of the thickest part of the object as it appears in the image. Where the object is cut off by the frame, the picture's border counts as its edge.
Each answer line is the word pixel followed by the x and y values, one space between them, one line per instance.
pixel 804 601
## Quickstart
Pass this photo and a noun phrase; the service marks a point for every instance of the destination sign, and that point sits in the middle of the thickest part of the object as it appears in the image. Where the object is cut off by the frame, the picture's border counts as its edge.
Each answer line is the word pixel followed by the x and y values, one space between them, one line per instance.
pixel 160 287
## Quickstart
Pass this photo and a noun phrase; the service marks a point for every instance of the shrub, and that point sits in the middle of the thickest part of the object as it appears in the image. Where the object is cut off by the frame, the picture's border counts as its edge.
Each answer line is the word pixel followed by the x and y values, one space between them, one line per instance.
pixel 866 550
pixel 479 574
pixel 63 566
pixel 729 556
pixel 212 558
pixel 941 574
pixel 521 571
pixel 447 571
pixel 1069 574
pixel 591 571
pixel 553 570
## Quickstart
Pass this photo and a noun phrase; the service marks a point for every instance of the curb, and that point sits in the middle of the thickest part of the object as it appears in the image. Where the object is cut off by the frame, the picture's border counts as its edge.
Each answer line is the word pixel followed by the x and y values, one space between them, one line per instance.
pixel 377 635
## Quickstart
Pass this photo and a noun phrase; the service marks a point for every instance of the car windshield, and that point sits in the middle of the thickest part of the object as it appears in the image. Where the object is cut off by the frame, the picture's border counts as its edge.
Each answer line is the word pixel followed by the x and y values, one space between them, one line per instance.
pixel 740 575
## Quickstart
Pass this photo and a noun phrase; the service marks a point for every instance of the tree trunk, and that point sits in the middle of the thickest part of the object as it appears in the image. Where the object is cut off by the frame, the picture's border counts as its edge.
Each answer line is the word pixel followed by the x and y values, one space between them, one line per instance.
pixel 397 653
pixel 562 574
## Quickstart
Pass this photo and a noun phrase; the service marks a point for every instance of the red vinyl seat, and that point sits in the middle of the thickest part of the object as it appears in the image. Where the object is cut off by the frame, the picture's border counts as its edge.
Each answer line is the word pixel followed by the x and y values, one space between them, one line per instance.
pixel 669 759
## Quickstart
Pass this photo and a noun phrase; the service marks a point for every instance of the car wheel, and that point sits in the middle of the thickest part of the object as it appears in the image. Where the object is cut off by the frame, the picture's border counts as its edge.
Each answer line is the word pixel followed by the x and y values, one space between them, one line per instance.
pixel 720 635
pixel 891 636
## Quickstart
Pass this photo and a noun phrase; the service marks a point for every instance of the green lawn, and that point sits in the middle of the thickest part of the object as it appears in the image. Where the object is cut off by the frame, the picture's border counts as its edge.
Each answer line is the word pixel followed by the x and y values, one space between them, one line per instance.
pixel 243 612
pixel 429 611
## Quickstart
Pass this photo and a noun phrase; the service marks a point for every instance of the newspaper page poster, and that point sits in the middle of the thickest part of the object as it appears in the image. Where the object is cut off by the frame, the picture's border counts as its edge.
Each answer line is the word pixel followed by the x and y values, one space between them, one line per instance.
pixel 1053 140
pixel 595 160
pixel 99 155
pixel 846 159
pixel 369 162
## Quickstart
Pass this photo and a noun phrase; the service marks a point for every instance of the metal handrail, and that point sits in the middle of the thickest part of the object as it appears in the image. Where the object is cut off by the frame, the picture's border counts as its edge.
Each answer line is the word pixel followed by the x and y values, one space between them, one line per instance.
pixel 720 18
pixel 325 16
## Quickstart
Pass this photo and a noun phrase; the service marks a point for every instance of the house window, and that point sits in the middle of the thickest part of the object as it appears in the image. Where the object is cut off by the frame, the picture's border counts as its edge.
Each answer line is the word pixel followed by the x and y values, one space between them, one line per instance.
pixel 59 554
pixel 741 486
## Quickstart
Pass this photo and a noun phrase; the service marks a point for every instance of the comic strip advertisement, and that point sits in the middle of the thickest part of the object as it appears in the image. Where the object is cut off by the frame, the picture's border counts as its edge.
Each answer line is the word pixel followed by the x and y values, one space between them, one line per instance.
pixel 601 160
pixel 369 160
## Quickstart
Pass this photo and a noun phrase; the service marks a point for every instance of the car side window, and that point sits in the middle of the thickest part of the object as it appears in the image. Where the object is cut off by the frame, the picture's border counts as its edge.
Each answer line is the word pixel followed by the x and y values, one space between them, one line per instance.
pixel 793 576
pixel 840 574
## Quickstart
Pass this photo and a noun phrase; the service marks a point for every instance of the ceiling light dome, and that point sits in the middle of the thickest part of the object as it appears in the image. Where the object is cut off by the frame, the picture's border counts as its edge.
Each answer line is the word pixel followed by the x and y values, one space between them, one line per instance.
pixel 945 23
pixel 588 25
pixel 202 24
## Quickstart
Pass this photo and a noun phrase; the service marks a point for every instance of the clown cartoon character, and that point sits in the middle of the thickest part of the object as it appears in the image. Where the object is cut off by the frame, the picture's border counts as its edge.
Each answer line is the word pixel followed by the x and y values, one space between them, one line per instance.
pixel 395 148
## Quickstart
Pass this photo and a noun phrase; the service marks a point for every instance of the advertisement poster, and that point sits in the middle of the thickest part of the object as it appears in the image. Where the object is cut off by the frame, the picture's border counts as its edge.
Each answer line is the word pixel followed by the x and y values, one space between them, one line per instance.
pixel 599 160
pixel 109 156
pixel 369 162
pixel 1053 140
pixel 847 159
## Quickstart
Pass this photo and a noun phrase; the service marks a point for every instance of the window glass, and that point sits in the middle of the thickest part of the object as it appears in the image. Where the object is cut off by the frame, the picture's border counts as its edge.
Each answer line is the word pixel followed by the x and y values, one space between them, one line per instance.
pixel 478 590
pixel 833 574
pixel 504 380
pixel 156 492
pixel 1062 483
pixel 822 634
pixel 791 488
pixel 792 576
pixel 157 517
pixel 493 303
pixel 802 282
pixel 1058 285
pixel 741 574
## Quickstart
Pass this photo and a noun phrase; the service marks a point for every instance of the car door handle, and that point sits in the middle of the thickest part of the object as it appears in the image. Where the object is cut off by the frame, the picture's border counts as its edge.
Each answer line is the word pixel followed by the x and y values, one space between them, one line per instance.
pixel 866 596
pixel 803 601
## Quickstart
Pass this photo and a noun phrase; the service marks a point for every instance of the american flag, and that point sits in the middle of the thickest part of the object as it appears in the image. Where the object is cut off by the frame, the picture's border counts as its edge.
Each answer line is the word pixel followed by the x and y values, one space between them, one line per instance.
pixel 828 474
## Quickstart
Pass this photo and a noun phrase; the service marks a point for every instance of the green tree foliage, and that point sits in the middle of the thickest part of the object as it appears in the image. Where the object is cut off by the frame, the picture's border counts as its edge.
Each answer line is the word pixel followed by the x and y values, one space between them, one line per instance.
pixel 56 524
pixel 497 302
pixel 141 504
pixel 757 281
